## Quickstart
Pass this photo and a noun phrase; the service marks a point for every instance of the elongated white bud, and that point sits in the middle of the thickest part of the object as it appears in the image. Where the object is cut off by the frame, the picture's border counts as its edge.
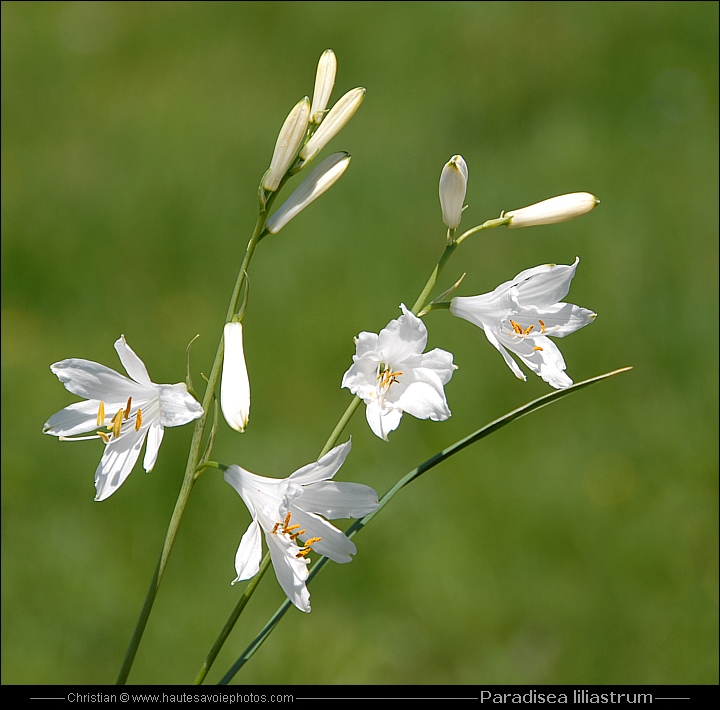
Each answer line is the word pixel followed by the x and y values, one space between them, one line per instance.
pixel 453 185
pixel 320 178
pixel 289 139
pixel 337 117
pixel 324 82
pixel 556 209
pixel 235 385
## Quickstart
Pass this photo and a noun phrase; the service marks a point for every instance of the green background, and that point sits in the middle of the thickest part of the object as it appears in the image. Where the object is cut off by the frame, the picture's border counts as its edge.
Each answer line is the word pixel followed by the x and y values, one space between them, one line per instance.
pixel 578 545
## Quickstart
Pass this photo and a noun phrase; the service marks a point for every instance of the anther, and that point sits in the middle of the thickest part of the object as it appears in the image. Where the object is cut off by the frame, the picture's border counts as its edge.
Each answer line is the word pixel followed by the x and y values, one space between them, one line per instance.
pixel 296 535
pixel 528 329
pixel 127 408
pixel 516 327
pixel 312 540
pixel 290 529
pixel 101 414
pixel 537 347
pixel 138 420
pixel 104 437
pixel 542 325
pixel 116 423
pixel 287 520
pixel 275 528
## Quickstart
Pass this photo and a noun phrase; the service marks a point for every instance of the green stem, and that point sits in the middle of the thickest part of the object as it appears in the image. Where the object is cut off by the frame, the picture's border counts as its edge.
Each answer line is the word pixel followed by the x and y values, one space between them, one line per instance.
pixel 408 478
pixel 192 462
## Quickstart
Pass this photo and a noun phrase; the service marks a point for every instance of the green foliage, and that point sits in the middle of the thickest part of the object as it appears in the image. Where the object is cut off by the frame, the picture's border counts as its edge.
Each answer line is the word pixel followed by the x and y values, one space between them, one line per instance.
pixel 579 545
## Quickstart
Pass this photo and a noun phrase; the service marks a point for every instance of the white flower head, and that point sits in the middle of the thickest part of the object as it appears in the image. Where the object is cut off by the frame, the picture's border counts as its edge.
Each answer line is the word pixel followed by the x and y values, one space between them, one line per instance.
pixel 324 82
pixel 235 384
pixel 296 508
pixel 392 375
pixel 556 209
pixel 126 410
pixel 453 186
pixel 519 315
pixel 288 142
pixel 321 178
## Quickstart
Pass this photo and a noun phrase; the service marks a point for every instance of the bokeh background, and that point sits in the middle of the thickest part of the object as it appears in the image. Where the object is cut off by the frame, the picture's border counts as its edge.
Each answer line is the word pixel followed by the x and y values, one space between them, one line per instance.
pixel 578 545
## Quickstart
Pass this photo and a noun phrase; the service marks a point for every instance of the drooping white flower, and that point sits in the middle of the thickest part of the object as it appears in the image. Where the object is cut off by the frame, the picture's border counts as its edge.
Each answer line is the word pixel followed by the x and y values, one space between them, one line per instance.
pixel 235 384
pixel 392 375
pixel 288 141
pixel 126 410
pixel 321 178
pixel 453 186
pixel 556 209
pixel 519 315
pixel 290 509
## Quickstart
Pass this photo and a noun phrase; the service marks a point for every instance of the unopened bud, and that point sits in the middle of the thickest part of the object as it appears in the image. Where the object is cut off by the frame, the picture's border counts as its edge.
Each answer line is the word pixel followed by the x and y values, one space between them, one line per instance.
pixel 324 82
pixel 235 385
pixel 453 185
pixel 289 140
pixel 320 178
pixel 337 117
pixel 556 209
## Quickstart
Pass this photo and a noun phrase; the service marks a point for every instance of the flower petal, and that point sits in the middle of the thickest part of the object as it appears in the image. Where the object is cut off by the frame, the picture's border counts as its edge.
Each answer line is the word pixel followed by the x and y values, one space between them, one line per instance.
pixel 249 553
pixel 154 439
pixel 424 402
pixel 92 380
pixel 291 571
pixel 402 338
pixel 545 285
pixel 382 420
pixel 74 419
pixel 117 461
pixel 506 355
pixel 337 500
pixel 548 363
pixel 133 365
pixel 177 405
pixel 563 318
pixel 333 543
pixel 323 469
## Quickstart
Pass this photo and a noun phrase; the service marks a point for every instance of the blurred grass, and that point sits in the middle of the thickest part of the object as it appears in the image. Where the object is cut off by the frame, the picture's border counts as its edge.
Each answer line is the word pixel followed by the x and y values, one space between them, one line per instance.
pixel 578 545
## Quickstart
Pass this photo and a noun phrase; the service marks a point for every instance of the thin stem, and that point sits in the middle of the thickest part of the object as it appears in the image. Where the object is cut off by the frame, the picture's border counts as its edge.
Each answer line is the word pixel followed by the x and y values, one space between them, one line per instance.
pixel 192 462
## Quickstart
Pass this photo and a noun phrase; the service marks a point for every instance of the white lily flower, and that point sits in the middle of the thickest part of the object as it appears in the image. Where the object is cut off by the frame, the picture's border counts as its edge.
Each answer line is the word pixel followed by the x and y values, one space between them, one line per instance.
pixel 336 118
pixel 235 384
pixel 392 375
pixel 519 315
pixel 453 186
pixel 324 82
pixel 288 141
pixel 290 509
pixel 557 209
pixel 129 409
pixel 321 178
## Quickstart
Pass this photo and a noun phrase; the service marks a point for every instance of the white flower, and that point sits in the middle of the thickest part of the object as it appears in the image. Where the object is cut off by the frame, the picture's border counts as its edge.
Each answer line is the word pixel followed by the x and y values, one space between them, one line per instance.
pixel 235 385
pixel 519 315
pixel 288 141
pixel 392 375
pixel 324 82
pixel 128 409
pixel 321 178
pixel 290 509
pixel 453 185
pixel 557 209
pixel 336 118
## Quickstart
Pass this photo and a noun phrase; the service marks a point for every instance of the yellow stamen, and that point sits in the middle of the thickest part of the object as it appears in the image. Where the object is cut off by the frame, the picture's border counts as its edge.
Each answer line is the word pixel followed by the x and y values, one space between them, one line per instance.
pixel 312 540
pixel 528 329
pixel 289 529
pixel 296 535
pixel 101 414
pixel 287 521
pixel 275 529
pixel 127 408
pixel 516 327
pixel 542 325
pixel 138 420
pixel 537 347
pixel 302 552
pixel 104 437
pixel 116 423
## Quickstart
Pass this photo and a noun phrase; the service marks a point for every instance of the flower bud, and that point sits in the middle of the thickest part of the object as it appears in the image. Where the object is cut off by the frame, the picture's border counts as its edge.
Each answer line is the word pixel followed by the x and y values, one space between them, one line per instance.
pixel 324 82
pixel 556 209
pixel 320 178
pixel 289 140
pixel 337 117
pixel 235 385
pixel 453 185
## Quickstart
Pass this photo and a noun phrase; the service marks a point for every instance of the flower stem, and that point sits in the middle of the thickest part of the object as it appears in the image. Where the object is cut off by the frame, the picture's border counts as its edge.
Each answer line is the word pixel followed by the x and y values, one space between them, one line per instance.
pixel 192 462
